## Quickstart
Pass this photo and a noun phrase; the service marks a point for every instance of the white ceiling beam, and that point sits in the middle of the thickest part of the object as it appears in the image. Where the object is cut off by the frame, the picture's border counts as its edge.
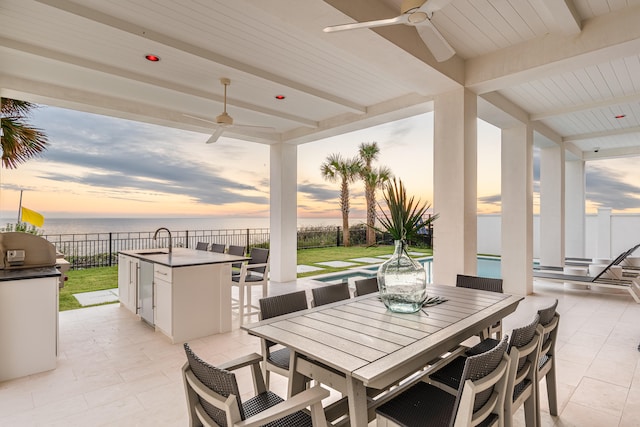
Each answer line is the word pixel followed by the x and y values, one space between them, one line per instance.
pixel 574 149
pixel 80 100
pixel 143 78
pixel 562 13
pixel 612 153
pixel 385 112
pixel 602 134
pixel 603 38
pixel 104 19
pixel 622 100
pixel 517 113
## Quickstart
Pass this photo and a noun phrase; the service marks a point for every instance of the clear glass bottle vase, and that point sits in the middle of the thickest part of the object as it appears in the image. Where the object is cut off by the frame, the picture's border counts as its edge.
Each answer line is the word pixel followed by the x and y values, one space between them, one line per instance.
pixel 402 281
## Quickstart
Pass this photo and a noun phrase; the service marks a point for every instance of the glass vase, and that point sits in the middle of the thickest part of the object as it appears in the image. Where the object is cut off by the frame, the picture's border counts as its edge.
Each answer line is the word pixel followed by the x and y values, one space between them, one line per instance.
pixel 402 281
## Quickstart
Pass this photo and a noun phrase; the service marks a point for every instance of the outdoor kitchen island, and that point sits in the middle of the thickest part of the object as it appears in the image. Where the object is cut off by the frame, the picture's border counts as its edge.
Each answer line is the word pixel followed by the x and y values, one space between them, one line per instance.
pixel 185 294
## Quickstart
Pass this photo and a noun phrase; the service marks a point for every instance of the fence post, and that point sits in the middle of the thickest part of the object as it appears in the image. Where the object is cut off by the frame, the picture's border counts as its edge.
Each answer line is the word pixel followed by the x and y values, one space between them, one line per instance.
pixel 186 245
pixel 338 236
pixel 110 249
pixel 248 251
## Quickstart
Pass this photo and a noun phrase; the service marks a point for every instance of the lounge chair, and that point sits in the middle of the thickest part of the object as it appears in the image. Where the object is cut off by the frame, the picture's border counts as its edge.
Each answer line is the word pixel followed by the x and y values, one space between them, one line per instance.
pixel 631 283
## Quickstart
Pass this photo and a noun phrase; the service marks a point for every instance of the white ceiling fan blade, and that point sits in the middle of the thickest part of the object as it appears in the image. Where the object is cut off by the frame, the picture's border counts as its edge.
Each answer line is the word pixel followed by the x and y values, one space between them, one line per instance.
pixel 213 138
pixel 199 118
pixel 254 128
pixel 369 24
pixel 436 43
pixel 430 6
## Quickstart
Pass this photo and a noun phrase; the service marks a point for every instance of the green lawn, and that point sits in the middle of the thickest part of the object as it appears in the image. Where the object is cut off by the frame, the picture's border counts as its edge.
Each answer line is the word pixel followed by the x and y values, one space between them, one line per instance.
pixel 96 279
pixel 314 256
pixel 91 279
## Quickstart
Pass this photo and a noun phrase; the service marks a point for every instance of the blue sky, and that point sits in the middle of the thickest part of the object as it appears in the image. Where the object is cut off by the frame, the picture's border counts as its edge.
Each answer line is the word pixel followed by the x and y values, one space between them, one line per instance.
pixel 104 166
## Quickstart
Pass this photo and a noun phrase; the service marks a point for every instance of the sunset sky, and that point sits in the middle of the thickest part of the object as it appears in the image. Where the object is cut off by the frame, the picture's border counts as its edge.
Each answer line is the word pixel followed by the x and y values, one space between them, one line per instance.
pixel 99 166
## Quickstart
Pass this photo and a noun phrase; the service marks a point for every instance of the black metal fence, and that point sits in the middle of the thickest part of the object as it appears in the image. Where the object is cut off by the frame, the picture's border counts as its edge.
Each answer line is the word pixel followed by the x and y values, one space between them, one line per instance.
pixel 101 249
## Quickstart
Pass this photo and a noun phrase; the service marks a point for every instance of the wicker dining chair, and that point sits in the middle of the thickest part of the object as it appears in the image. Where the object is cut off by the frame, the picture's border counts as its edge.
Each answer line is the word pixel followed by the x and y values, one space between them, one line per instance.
pixel 254 272
pixel 331 293
pixel 275 357
pixel 220 247
pixel 366 286
pixel 237 251
pixel 213 397
pixel 483 284
pixel 524 352
pixel 202 246
pixel 549 320
pixel 479 399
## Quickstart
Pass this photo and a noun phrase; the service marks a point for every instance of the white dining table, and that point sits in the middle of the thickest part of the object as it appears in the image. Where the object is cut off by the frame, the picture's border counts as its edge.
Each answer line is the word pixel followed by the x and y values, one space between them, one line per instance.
pixel 357 344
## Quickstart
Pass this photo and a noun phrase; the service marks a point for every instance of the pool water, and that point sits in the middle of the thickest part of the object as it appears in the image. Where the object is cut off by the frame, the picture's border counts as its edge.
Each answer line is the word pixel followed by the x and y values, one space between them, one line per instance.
pixel 487 267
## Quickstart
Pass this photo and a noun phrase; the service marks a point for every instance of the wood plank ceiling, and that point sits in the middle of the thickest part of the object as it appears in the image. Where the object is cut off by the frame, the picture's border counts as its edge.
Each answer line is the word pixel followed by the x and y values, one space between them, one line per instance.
pixel 568 66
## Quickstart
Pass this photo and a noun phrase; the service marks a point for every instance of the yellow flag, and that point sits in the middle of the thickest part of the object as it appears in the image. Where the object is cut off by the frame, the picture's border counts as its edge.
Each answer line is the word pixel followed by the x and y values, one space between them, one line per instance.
pixel 32 217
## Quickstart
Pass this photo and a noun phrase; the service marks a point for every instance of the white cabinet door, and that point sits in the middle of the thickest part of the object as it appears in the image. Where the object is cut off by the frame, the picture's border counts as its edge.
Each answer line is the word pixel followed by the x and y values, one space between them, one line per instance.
pixel 128 281
pixel 123 279
pixel 163 306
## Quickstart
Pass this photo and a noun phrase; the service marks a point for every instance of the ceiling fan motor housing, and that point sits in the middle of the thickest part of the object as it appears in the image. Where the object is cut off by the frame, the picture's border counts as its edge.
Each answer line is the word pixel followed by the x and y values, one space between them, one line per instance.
pixel 224 119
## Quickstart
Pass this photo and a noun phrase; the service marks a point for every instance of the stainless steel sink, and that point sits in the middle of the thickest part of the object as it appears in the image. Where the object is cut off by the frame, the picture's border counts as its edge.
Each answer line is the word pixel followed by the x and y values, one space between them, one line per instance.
pixel 152 252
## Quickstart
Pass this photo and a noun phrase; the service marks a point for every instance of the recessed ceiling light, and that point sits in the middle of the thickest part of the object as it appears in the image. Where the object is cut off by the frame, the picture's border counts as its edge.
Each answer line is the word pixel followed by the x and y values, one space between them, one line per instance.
pixel 280 97
pixel 620 116
pixel 152 58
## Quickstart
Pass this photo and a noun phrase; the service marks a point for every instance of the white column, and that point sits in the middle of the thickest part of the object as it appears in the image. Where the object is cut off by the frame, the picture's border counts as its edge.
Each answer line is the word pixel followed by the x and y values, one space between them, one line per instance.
pixel 283 216
pixel 552 206
pixel 455 185
pixel 575 222
pixel 517 210
pixel 603 249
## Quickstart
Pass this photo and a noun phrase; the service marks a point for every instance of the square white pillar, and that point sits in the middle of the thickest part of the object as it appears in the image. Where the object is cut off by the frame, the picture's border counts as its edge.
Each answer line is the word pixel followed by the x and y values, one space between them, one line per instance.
pixel 283 216
pixel 517 210
pixel 552 206
pixel 603 249
pixel 455 185
pixel 575 221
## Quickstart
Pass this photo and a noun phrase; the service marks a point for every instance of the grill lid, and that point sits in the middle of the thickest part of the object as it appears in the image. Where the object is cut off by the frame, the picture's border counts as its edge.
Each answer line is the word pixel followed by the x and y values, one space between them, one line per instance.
pixel 37 251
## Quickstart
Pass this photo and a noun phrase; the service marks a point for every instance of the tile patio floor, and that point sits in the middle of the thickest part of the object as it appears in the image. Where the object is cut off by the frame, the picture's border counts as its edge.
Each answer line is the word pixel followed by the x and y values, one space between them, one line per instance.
pixel 113 370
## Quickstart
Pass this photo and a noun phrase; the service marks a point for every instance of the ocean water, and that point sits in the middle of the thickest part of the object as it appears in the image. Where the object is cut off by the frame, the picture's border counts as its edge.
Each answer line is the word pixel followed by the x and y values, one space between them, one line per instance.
pixel 112 225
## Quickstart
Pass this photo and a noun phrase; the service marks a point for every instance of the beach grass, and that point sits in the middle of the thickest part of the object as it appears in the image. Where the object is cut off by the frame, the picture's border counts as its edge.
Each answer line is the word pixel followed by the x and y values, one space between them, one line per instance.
pixel 100 278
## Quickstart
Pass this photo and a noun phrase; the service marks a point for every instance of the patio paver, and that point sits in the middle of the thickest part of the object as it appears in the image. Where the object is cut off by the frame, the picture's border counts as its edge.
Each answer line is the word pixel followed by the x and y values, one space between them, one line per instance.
pixel 97 297
pixel 337 263
pixel 301 268
pixel 367 260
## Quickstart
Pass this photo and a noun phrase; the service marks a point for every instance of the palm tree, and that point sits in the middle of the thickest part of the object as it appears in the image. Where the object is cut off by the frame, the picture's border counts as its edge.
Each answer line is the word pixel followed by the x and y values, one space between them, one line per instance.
pixel 373 179
pixel 19 140
pixel 336 168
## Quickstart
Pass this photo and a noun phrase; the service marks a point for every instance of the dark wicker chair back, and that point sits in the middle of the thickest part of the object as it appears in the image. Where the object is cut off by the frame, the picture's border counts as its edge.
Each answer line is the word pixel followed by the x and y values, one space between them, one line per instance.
pixel 259 256
pixel 481 283
pixel 238 251
pixel 366 286
pixel 549 321
pixel 218 247
pixel 202 246
pixel 331 293
pixel 279 305
pixel 218 380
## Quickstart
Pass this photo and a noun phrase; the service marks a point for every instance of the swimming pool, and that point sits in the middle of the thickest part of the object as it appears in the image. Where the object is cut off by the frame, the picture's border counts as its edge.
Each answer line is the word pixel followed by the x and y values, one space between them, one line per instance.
pixel 487 267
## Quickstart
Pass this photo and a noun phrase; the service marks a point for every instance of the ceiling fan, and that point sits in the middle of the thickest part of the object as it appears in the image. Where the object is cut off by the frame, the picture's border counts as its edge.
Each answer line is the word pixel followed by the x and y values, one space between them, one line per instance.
pixel 224 121
pixel 415 13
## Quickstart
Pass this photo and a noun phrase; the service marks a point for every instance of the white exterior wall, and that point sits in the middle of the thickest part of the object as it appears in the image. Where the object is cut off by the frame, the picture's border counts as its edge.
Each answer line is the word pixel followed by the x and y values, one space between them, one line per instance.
pixel 625 233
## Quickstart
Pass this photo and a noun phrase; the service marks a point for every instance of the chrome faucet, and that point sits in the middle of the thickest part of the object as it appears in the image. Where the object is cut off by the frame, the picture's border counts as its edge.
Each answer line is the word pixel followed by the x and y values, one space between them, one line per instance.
pixel 155 236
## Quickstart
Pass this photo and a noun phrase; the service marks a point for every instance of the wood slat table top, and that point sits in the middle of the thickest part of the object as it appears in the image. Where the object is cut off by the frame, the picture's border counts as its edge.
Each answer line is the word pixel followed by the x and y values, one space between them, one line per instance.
pixel 361 338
